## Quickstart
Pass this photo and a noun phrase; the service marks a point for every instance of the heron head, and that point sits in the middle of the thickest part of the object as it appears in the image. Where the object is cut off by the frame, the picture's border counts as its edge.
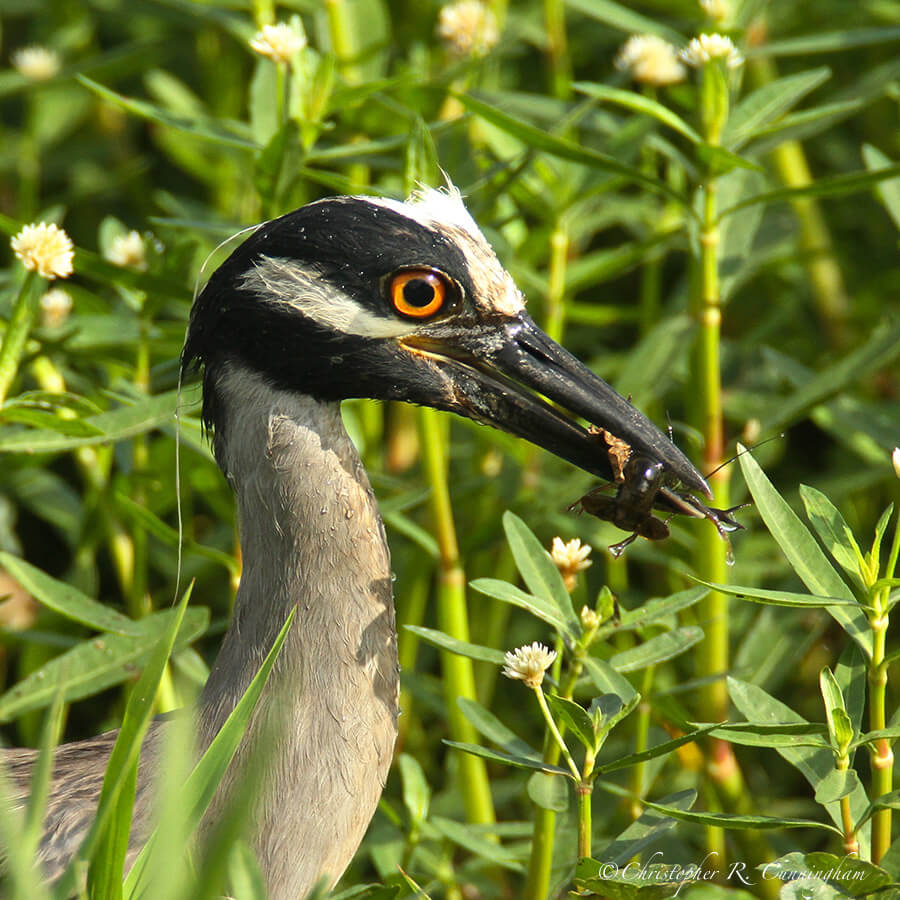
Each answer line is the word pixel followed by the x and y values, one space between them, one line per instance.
pixel 368 297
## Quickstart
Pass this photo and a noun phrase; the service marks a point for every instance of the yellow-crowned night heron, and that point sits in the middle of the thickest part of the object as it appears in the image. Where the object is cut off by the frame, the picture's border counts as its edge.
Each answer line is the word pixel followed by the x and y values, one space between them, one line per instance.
pixel 346 297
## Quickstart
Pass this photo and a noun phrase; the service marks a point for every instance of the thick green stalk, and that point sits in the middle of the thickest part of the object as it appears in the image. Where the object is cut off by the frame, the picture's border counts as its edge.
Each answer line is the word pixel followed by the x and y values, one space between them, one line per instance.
pixel 641 739
pixel 883 754
pixel 16 334
pixel 453 617
pixel 825 277
pixel 710 559
pixel 713 655
pixel 557 48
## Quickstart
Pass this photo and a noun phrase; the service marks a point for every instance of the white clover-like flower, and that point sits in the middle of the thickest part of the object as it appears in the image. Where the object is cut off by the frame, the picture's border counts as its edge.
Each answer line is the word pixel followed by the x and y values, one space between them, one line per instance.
pixel 45 249
pixel 56 305
pixel 708 47
pixel 128 250
pixel 468 27
pixel 36 63
pixel 719 10
pixel 590 618
pixel 570 558
pixel 278 42
pixel 895 461
pixel 650 60
pixel 529 663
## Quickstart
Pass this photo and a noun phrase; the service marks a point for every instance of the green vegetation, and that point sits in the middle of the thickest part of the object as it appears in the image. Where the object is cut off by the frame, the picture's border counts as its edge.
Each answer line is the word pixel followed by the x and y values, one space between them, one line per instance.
pixel 717 238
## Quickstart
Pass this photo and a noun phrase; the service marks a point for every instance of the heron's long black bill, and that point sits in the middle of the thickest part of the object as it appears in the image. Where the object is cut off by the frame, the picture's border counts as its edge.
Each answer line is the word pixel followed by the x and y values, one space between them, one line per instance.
pixel 501 374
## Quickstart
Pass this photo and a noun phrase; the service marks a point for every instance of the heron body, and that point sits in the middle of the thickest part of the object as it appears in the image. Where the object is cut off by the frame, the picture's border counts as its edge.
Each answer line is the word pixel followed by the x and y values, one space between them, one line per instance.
pixel 346 297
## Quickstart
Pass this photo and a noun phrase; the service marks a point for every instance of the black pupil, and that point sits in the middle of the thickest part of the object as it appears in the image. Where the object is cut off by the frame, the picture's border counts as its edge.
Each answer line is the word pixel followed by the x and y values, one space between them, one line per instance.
pixel 418 292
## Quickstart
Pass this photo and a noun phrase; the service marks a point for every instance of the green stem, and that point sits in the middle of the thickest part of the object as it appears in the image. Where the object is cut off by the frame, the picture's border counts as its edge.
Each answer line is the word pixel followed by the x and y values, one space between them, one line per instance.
pixel 641 738
pixel 710 559
pixel 551 724
pixel 14 338
pixel 882 753
pixel 557 48
pixel 540 864
pixel 554 324
pixel 453 619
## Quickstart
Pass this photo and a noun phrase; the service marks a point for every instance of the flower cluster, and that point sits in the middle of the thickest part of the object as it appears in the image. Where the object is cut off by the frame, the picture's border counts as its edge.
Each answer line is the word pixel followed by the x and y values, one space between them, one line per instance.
pixel 36 63
pixel 56 305
pixel 529 663
pixel 128 250
pixel 45 249
pixel 650 60
pixel 278 42
pixel 718 10
pixel 708 47
pixel 468 27
pixel 570 558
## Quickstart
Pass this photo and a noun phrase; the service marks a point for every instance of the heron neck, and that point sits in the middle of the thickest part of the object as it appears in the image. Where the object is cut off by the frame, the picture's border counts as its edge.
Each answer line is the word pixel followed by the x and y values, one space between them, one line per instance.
pixel 311 538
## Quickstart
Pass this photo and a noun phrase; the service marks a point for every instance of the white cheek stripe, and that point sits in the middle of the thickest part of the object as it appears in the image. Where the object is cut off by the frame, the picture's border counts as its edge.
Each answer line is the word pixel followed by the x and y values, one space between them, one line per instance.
pixel 280 281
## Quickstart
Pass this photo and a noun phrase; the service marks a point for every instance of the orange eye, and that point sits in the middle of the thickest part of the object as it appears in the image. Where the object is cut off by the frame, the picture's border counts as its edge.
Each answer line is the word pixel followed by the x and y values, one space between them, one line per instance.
pixel 418 293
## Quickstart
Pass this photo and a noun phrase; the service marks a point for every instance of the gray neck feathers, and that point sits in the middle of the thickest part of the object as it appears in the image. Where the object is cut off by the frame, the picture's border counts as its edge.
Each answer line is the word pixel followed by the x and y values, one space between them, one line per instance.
pixel 311 537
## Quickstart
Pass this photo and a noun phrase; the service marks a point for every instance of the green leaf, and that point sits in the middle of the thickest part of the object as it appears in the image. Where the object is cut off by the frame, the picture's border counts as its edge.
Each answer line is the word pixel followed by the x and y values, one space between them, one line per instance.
pixel 416 793
pixel 538 570
pixel 51 421
pixel 787 734
pixel 803 553
pixel 461 648
pixel 617 15
pixel 111 426
pixel 98 663
pixel 607 680
pixel 69 601
pixel 575 719
pixel 509 759
pixel 488 725
pixel 767 103
pixel 870 737
pixel 719 161
pixel 204 779
pixel 639 103
pixel 815 765
pixel 611 711
pixel 849 875
pixel 828 186
pixel 646 829
pixel 659 608
pixel 210 129
pixel 169 535
pixel 658 649
pixel 851 673
pixel 662 749
pixel 778 598
pixel 548 792
pixel 107 842
pixel 873 558
pixel 537 606
pixel 837 784
pixel 740 823
pixel 888 191
pixel 832 530
pixel 465 836
pixel 827 41
pixel 647 881
pixel 536 139
pixel 885 801
pixel 834 704
pixel 876 354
